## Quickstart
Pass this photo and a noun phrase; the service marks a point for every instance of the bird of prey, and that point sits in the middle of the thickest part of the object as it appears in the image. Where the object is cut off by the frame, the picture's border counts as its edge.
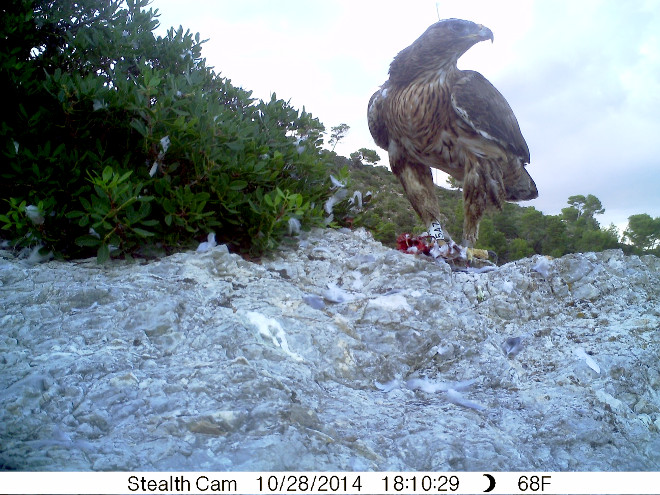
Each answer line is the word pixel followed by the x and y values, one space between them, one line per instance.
pixel 431 114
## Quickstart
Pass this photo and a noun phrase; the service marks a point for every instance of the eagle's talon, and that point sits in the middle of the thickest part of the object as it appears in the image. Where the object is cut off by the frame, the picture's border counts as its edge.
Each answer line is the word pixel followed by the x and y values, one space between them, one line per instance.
pixel 441 238
pixel 446 250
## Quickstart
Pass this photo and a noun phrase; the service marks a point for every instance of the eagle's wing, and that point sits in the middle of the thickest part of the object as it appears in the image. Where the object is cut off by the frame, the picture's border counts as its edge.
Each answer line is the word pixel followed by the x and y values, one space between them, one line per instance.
pixel 376 120
pixel 486 111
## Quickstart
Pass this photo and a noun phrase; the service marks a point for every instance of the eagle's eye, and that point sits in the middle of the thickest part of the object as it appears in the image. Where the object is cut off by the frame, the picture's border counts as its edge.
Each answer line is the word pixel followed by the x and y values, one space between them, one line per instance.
pixel 457 27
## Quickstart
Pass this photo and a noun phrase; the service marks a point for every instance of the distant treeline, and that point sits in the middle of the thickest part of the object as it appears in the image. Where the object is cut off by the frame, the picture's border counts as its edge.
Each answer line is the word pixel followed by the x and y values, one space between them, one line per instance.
pixel 515 232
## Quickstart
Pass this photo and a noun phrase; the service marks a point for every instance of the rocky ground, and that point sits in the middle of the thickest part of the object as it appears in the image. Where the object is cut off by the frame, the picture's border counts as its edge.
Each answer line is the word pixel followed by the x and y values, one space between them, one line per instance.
pixel 335 354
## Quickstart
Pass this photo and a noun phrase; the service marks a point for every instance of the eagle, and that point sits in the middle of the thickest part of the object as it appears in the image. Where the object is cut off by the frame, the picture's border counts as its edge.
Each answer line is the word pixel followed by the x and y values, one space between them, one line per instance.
pixel 431 114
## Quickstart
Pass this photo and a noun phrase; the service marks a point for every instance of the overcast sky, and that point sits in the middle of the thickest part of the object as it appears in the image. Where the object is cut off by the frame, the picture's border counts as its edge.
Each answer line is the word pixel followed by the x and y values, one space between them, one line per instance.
pixel 583 77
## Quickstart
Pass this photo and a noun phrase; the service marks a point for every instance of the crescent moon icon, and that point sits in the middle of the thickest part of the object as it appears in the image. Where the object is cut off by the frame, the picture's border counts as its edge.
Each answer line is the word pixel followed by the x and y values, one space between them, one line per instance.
pixel 491 479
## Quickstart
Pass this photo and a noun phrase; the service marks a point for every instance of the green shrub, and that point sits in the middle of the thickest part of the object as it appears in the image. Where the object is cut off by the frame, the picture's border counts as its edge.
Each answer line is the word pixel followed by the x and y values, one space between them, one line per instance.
pixel 115 139
pixel 519 248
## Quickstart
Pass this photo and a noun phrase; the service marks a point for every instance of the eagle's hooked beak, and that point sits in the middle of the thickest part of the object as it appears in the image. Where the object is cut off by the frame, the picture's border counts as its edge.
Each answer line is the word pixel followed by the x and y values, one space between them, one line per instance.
pixel 485 34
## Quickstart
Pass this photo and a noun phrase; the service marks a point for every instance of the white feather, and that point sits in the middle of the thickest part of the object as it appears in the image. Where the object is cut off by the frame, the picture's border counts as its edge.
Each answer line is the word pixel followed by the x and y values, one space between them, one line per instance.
pixel 208 245
pixel 271 330
pixel 336 182
pixel 579 352
pixel 336 295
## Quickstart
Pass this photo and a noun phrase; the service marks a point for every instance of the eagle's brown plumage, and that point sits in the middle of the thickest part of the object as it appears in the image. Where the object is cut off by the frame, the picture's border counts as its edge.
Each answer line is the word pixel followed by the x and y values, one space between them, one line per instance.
pixel 431 114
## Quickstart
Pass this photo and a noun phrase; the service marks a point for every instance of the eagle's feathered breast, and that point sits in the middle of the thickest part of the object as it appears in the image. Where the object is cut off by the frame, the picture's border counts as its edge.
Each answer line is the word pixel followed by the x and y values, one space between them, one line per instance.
pixel 430 113
pixel 418 117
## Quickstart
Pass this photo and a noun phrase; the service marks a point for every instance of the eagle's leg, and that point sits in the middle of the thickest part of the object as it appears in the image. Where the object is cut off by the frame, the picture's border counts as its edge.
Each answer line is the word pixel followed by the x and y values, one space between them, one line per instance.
pixel 417 182
pixel 470 225
pixel 483 190
pixel 473 206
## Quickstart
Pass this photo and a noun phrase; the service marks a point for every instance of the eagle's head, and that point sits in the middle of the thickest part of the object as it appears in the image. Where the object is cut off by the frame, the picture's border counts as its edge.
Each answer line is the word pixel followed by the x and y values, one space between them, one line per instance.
pixel 438 48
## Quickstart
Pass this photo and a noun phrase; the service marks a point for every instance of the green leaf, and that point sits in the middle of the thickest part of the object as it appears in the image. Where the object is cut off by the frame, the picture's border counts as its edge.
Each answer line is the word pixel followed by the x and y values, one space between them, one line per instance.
pixel 87 241
pixel 125 176
pixel 60 148
pixel 103 254
pixel 74 214
pixel 107 173
pixel 254 207
pixel 142 232
pixel 139 126
pixel 235 145
pixel 238 185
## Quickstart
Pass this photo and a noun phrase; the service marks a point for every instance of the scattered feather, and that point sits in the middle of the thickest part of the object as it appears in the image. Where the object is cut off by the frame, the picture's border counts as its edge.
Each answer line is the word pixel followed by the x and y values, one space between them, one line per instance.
pixel 356 200
pixel 450 390
pixel 208 245
pixel 99 105
pixel 322 249
pixel 165 143
pixel 314 301
pixel 615 404
pixel 334 199
pixel 512 346
pixel 153 169
pixel 483 269
pixel 457 398
pixel 542 266
pixel 336 183
pixel 37 256
pixel 329 204
pixel 445 251
pixel 300 145
pixel 271 330
pixel 579 352
pixel 34 214
pixel 294 226
pixel 426 385
pixel 336 295
pixel 389 386
pixel 392 302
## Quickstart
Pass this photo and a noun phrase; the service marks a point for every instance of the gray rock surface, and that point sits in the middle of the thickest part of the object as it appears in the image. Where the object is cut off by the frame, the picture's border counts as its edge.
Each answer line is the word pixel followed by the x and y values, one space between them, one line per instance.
pixel 335 354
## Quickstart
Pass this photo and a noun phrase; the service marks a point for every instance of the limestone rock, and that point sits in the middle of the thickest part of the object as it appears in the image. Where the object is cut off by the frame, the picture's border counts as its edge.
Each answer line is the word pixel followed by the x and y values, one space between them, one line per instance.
pixel 335 354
